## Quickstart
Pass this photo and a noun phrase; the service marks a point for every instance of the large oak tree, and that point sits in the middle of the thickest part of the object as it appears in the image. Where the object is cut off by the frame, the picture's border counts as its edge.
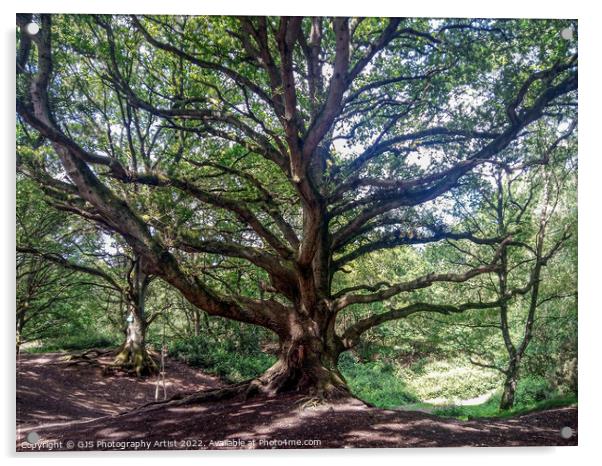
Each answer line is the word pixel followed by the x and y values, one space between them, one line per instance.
pixel 289 147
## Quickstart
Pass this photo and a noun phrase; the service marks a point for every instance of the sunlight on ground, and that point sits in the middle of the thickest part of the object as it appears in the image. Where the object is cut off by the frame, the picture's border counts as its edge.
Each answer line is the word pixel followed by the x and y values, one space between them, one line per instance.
pixel 451 382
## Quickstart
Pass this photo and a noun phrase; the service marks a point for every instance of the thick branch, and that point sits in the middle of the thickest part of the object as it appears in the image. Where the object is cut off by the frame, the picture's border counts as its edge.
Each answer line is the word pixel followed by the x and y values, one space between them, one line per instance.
pixel 243 213
pixel 58 259
pixel 352 334
pixel 155 258
pixel 398 238
pixel 418 283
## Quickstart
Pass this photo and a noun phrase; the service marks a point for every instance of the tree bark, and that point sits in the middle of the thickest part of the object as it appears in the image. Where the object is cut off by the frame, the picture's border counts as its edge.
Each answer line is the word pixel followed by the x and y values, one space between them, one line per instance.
pixel 197 321
pixel 307 363
pixel 507 401
pixel 132 354
pixel 20 326
pixel 18 343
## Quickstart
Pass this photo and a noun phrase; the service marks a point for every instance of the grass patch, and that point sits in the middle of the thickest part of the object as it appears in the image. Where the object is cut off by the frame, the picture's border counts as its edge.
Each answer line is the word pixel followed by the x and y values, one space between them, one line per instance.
pixel 73 343
pixel 532 394
pixel 490 409
pixel 449 380
pixel 226 359
pixel 387 385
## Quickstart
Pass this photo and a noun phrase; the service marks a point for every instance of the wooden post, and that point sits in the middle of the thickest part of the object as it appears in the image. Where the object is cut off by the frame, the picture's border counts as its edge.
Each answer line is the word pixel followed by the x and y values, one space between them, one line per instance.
pixel 161 375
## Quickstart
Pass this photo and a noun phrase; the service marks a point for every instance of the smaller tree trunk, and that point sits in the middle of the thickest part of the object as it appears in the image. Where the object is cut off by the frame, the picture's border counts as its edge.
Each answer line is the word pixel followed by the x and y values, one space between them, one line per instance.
pixel 508 395
pixel 132 355
pixel 18 343
pixel 20 325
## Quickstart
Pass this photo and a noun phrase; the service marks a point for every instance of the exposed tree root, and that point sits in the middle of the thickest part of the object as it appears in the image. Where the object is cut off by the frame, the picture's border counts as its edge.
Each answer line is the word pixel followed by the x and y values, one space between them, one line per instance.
pixel 325 394
pixel 245 390
pixel 320 383
pixel 96 352
pixel 133 362
pixel 84 362
pixel 204 396
pixel 310 402
pixel 319 398
pixel 217 394
pixel 88 357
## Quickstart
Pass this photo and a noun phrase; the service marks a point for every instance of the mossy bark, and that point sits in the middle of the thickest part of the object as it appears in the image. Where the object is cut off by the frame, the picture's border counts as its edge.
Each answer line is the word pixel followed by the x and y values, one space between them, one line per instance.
pixel 133 355
pixel 509 393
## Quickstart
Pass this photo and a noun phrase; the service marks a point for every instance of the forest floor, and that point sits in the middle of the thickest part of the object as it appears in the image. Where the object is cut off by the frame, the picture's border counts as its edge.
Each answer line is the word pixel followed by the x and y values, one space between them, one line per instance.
pixel 77 408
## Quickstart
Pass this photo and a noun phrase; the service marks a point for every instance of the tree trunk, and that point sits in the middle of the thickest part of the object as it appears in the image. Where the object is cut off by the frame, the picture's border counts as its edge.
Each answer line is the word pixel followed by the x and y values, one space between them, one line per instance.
pixel 18 343
pixel 20 325
pixel 132 355
pixel 507 401
pixel 307 364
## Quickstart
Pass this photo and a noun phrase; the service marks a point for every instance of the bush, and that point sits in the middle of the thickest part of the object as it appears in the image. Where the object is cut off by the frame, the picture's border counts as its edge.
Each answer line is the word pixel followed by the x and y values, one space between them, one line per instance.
pixel 234 361
pixel 565 377
pixel 375 382
pixel 531 390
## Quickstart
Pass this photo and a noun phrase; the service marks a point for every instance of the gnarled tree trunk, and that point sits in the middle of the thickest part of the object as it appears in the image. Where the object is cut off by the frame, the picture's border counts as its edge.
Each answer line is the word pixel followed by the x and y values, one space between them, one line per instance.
pixel 306 366
pixel 133 355
pixel 307 362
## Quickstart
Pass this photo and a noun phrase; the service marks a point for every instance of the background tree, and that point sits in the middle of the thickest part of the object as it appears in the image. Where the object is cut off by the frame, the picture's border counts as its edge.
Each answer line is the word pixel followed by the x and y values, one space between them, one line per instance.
pixel 51 301
pixel 293 145
pixel 122 276
pixel 535 284
pixel 529 262
pixel 59 254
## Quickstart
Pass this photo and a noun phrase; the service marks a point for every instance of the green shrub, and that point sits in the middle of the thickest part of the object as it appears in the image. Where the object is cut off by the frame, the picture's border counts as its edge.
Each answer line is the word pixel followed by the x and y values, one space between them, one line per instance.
pixel 376 382
pixel 234 361
pixel 531 390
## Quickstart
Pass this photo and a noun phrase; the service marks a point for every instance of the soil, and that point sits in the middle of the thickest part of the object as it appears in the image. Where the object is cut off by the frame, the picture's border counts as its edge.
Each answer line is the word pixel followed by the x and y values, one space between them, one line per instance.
pixel 77 408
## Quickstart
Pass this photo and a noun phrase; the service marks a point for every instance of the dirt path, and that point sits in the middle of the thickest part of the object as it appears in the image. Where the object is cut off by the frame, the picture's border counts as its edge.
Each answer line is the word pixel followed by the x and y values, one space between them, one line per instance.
pixel 50 392
pixel 77 408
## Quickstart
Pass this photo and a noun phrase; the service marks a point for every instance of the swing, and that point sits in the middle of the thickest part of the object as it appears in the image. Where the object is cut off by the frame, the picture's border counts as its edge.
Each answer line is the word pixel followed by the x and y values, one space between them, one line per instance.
pixel 161 374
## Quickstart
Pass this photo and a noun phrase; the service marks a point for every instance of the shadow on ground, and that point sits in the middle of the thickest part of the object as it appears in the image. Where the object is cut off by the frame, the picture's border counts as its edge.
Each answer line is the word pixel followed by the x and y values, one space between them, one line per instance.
pixel 79 405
